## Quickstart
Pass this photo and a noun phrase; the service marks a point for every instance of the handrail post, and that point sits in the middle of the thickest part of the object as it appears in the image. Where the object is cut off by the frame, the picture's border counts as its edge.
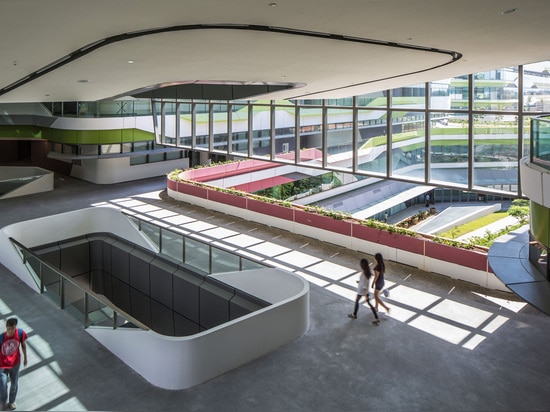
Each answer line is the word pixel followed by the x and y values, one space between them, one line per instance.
pixel 86 318
pixel 41 276
pixel 62 303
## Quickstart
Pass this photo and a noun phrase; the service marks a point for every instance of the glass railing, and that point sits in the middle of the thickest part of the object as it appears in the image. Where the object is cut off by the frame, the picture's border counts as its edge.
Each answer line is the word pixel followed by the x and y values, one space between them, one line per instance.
pixel 74 296
pixel 200 255
pixel 540 141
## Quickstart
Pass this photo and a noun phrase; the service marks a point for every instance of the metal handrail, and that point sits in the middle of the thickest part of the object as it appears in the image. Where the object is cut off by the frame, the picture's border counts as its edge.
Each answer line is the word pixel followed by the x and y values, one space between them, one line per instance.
pixel 87 292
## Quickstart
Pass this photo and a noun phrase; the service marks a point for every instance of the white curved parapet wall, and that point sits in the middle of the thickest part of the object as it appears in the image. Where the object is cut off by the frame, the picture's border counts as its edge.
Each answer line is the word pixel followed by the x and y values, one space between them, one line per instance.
pixel 183 362
pixel 177 362
pixel 535 182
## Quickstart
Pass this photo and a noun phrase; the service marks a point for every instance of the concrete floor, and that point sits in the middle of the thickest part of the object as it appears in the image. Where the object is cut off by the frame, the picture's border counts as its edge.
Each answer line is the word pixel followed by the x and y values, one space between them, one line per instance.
pixel 448 345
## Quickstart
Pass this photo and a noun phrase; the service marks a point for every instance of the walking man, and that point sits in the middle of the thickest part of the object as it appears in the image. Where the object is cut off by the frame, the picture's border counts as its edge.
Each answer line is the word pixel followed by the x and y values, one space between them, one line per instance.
pixel 10 361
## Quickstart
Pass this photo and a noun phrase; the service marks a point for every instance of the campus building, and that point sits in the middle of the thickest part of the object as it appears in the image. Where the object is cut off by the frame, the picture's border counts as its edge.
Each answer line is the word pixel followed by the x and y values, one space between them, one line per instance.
pixel 349 94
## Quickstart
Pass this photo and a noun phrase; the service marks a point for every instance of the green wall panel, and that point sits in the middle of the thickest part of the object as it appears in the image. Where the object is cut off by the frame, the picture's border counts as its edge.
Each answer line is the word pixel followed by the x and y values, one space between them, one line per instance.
pixel 142 135
pixel 77 136
pixel 127 135
pixel 539 223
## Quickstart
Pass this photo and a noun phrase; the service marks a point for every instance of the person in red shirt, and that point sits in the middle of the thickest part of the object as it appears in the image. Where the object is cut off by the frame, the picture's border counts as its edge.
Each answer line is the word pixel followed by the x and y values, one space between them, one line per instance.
pixel 10 361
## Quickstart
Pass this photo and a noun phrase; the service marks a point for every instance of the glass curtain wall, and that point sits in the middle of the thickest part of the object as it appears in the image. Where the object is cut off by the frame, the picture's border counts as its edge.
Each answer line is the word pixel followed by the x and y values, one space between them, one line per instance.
pixel 467 132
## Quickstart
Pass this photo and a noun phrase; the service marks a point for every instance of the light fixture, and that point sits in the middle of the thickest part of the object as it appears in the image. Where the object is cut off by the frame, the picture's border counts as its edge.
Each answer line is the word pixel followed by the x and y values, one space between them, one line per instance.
pixel 509 11
pixel 82 81
pixel 272 4
pixel 130 62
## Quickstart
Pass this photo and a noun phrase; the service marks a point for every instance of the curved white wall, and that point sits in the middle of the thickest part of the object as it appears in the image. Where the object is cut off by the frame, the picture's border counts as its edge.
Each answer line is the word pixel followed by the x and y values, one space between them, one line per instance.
pixel 177 362
pixel 535 182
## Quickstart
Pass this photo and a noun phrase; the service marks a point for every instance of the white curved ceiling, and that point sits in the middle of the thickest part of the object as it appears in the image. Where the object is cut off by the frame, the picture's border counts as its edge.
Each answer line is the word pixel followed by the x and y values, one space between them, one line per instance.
pixel 327 49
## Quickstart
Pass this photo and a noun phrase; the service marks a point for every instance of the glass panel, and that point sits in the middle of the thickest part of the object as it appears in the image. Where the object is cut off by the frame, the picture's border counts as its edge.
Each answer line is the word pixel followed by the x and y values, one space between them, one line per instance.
pixel 156 157
pixel 376 99
pixel 541 142
pixel 220 128
pixel 285 133
pixel 197 254
pixel 178 154
pixel 536 87
pixel 526 136
pixel 168 128
pixel 340 138
pixel 98 313
pixel 223 261
pixel 250 264
pixel 239 129
pixel 87 109
pixel 311 136
pixel 449 148
pixel 111 149
pixel 408 144
pixel 32 264
pixel 440 94
pixel 142 107
pixel 459 93
pixel 495 152
pixel 346 101
pixel 138 160
pixel 172 244
pixel 372 143
pixel 496 89
pixel 412 97
pixel 185 119
pixel 74 301
pixel 152 232
pixel 261 127
pixel 310 102
pixel 52 284
pixel 202 126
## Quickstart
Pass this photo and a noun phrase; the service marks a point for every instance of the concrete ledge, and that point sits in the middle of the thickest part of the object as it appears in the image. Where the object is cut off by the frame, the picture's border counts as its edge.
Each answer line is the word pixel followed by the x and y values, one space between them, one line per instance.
pixel 22 180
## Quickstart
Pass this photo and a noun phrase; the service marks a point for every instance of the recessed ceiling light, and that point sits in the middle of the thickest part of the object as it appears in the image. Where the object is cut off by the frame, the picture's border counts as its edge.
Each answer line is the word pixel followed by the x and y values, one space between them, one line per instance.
pixel 83 81
pixel 272 4
pixel 130 62
pixel 509 11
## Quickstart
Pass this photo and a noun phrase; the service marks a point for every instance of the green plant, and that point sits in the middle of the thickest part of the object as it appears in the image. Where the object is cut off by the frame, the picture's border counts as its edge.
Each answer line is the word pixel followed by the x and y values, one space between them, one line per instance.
pixel 519 209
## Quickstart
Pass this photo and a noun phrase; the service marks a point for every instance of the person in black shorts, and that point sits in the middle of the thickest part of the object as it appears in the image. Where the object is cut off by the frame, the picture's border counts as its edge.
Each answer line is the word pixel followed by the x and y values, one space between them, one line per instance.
pixel 364 290
pixel 378 282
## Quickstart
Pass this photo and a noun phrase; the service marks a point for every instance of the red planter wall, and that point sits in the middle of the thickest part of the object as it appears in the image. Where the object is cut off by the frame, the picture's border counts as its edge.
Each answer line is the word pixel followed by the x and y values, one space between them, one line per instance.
pixel 193 190
pixel 270 209
pixel 463 257
pixel 323 222
pixel 227 199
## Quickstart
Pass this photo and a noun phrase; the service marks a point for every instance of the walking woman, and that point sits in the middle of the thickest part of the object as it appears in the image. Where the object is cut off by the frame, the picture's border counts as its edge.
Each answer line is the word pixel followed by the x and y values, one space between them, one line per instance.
pixel 378 282
pixel 363 289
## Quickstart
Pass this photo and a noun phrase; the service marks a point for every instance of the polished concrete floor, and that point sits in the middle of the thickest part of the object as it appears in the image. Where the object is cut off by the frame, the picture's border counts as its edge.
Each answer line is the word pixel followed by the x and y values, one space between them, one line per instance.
pixel 448 345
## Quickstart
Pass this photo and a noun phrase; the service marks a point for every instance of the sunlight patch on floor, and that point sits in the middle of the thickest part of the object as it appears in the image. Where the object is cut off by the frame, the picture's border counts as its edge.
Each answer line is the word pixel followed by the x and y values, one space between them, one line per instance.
pixel 330 270
pixel 460 313
pixel 269 249
pixel 412 297
pixel 495 324
pixel 442 330
pixel 298 259
pixel 514 306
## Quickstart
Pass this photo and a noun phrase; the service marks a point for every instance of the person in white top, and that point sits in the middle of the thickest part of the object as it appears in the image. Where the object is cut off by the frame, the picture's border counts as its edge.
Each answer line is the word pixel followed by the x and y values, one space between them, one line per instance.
pixel 363 289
